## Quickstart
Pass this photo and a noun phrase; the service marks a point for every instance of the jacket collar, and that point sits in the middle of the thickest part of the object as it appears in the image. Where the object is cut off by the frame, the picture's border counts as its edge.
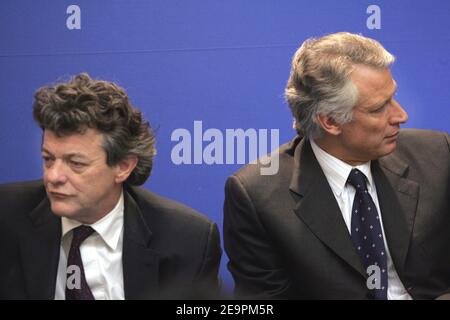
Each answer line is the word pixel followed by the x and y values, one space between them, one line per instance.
pixel 397 197
pixel 317 207
pixel 140 262
pixel 40 253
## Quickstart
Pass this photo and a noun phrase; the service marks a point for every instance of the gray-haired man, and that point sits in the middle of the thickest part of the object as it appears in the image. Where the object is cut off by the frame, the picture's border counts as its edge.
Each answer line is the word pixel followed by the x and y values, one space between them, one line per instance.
pixel 359 208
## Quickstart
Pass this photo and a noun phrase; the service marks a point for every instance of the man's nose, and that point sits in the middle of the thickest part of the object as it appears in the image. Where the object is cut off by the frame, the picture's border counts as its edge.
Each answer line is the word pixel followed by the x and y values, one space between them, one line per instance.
pixel 56 173
pixel 398 114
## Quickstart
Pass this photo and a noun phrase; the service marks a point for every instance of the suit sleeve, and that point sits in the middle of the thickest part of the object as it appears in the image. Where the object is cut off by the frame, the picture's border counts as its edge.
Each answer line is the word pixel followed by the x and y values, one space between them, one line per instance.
pixel 254 262
pixel 11 277
pixel 208 283
pixel 446 295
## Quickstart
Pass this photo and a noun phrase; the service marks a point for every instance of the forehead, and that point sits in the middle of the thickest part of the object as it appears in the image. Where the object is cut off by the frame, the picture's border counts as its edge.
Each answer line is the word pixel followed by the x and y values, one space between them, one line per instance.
pixel 87 144
pixel 374 85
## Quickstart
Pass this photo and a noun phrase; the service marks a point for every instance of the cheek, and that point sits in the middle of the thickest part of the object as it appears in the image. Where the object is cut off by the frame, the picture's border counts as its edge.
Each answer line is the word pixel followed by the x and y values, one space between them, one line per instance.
pixel 44 176
pixel 364 138
pixel 97 181
pixel 362 134
pixel 372 132
pixel 374 139
pixel 83 184
pixel 45 173
pixel 94 180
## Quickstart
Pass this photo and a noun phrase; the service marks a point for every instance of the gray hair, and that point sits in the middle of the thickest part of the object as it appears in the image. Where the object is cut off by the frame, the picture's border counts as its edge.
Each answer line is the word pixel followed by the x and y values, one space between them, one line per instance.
pixel 320 82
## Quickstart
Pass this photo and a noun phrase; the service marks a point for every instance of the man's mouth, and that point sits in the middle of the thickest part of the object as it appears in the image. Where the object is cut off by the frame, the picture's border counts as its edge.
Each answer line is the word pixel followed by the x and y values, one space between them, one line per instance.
pixel 58 195
pixel 393 135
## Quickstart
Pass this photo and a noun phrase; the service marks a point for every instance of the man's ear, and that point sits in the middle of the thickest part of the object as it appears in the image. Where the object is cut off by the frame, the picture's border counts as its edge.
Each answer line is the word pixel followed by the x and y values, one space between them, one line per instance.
pixel 125 167
pixel 329 125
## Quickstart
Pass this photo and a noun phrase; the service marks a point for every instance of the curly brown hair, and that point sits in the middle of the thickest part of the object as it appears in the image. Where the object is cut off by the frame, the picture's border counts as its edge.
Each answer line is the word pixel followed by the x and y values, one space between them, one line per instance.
pixel 82 103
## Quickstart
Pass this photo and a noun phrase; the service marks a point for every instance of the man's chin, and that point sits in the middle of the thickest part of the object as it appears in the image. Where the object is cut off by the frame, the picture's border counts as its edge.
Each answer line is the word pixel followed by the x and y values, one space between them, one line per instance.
pixel 63 211
pixel 389 148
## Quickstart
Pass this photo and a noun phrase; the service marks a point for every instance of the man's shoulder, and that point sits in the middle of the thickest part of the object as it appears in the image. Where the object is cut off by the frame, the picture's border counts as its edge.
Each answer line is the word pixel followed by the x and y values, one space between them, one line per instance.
pixel 418 150
pixel 156 207
pixel 174 226
pixel 23 195
pixel 23 186
pixel 423 136
pixel 422 143
pixel 252 174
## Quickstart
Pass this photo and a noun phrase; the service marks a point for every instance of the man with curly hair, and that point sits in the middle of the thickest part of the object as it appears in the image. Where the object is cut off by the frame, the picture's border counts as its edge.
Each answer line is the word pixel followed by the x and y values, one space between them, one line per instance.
pixel 86 231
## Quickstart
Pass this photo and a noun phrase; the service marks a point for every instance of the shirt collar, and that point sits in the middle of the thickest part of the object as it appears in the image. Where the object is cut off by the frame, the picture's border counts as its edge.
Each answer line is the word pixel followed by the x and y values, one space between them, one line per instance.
pixel 109 227
pixel 337 171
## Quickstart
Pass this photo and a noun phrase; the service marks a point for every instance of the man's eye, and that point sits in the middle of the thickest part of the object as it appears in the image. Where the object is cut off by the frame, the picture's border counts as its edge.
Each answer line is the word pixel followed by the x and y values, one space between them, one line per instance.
pixel 77 164
pixel 380 109
pixel 48 161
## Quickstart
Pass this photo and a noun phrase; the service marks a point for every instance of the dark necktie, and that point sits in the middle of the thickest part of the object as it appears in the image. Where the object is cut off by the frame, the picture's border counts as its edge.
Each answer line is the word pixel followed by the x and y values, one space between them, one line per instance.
pixel 367 236
pixel 76 285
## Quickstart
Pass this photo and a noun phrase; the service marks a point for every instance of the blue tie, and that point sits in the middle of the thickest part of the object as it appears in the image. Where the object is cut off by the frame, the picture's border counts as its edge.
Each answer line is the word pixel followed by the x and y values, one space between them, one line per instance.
pixel 367 236
pixel 76 286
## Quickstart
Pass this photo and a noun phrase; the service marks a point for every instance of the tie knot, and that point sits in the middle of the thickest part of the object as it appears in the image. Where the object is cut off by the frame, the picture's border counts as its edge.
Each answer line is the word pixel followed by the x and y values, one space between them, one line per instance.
pixel 80 234
pixel 358 180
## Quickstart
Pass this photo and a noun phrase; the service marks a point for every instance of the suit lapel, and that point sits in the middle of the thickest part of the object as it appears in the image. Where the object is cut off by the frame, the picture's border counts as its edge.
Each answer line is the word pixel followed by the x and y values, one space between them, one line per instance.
pixel 398 203
pixel 40 252
pixel 140 263
pixel 317 207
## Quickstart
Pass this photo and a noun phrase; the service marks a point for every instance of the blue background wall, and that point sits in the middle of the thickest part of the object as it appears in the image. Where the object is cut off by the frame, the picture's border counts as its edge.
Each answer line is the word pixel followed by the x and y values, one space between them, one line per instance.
pixel 222 62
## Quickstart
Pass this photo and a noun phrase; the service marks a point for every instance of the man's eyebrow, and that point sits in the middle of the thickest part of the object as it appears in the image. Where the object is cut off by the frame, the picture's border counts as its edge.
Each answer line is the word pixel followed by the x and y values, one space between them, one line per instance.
pixel 395 90
pixel 45 150
pixel 77 156
pixel 382 103
pixel 68 155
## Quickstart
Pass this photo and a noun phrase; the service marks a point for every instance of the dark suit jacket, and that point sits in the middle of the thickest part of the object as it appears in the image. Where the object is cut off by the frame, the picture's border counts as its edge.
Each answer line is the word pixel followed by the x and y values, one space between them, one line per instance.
pixel 286 237
pixel 169 250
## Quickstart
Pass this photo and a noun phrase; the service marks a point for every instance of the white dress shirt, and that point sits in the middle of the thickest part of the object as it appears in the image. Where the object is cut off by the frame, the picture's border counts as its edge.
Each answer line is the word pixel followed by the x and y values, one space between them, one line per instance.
pixel 101 254
pixel 337 172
